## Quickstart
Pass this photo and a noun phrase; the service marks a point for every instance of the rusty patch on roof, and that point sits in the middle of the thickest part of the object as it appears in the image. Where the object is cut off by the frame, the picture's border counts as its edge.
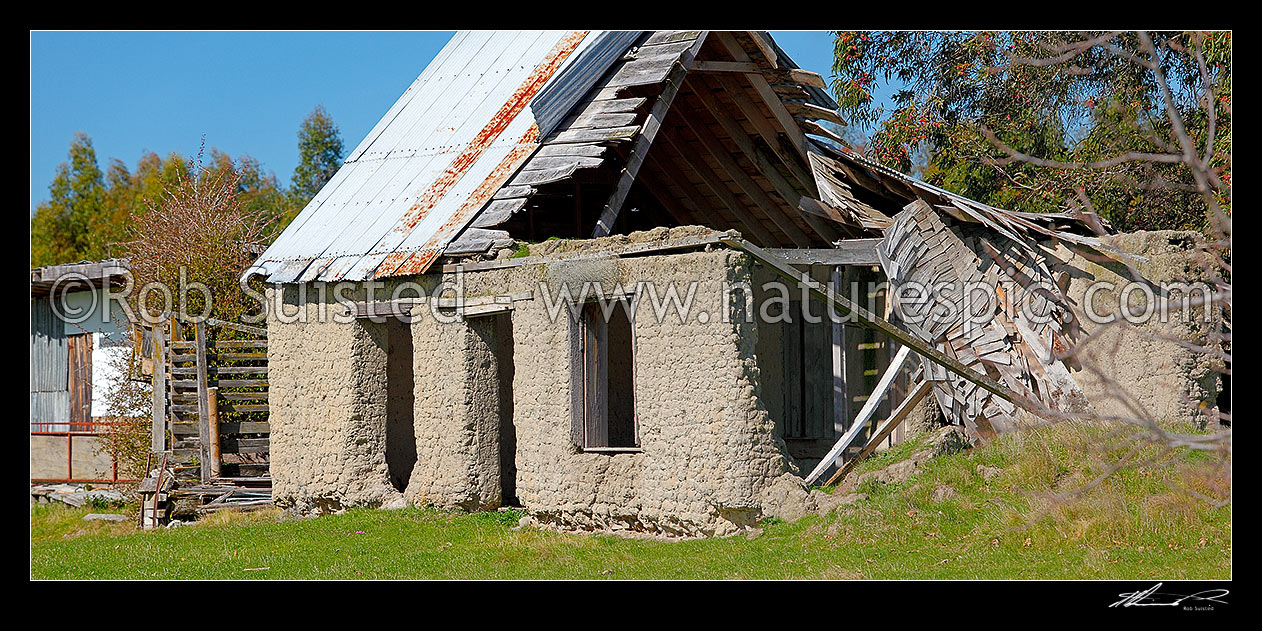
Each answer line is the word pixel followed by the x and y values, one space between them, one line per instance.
pixel 414 264
pixel 516 102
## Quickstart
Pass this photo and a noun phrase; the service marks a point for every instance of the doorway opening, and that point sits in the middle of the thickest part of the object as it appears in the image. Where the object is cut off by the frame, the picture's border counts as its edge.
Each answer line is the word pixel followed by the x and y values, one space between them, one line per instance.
pixel 400 430
pixel 507 430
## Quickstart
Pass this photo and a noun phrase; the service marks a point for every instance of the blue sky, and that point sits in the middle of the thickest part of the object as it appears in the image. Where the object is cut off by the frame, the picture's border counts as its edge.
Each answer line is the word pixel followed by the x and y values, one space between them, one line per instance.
pixel 246 91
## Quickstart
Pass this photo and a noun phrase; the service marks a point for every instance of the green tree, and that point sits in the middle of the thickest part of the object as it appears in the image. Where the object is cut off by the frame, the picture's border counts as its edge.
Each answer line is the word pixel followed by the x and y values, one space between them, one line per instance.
pixel 320 153
pixel 258 191
pixel 61 227
pixel 1041 121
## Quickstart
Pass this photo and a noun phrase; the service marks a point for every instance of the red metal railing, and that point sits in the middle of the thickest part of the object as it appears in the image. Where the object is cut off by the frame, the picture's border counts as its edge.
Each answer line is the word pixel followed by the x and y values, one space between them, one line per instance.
pixel 79 428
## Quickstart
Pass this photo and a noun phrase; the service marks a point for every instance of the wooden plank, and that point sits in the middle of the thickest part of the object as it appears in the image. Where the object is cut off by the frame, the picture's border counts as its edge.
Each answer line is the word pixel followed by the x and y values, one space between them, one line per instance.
pixel 726 66
pixel 223 407
pixel 641 72
pixel 221 370
pixel 595 378
pixel 611 106
pixel 596 135
pixel 157 437
pixel 791 369
pixel 234 344
pixel 813 112
pixel 244 328
pixel 847 252
pixel 807 78
pixel 660 50
pixel 577 382
pixel 245 445
pixel 602 119
pixel 667 37
pixel 865 414
pixel 549 151
pixel 243 396
pixel 841 403
pixel 917 394
pixel 234 357
pixel 241 383
pixel 203 400
pixel 213 434
pixel 190 429
pixel 817 407
pixel 553 162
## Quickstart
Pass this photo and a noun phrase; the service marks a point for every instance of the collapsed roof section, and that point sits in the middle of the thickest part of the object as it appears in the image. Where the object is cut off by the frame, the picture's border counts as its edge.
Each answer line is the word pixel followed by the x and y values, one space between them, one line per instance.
pixel 988 302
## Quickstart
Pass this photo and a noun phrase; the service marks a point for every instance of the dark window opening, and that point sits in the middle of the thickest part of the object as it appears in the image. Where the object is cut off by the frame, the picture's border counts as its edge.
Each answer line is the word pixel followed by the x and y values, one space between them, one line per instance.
pixel 400 430
pixel 603 364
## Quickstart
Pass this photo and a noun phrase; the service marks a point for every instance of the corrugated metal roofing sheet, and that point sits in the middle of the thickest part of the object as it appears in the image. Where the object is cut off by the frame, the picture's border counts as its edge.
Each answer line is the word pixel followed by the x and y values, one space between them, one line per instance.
pixel 437 156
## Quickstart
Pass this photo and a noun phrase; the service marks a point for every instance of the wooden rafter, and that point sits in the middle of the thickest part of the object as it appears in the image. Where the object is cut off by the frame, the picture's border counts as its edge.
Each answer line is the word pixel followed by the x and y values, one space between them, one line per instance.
pixel 785 189
pixel 727 163
pixel 721 191
pixel 765 92
pixel 754 117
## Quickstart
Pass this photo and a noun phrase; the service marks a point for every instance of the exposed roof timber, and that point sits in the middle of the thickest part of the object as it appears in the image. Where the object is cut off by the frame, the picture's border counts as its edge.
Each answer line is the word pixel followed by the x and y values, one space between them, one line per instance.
pixel 785 189
pixel 656 186
pixel 703 89
pixel 807 111
pixel 768 95
pixel 683 162
pixel 727 163
pixel 813 127
pixel 763 42
pixel 740 96
pixel 964 210
pixel 807 78
pixel 640 148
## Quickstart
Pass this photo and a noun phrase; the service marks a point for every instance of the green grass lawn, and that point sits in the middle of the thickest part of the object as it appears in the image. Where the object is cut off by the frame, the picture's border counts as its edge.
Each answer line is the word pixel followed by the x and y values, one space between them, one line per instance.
pixel 1136 524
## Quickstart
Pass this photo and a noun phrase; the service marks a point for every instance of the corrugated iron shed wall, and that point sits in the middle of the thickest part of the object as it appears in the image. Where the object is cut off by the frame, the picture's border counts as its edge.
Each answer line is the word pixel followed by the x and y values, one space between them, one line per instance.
pixel 50 394
pixel 434 159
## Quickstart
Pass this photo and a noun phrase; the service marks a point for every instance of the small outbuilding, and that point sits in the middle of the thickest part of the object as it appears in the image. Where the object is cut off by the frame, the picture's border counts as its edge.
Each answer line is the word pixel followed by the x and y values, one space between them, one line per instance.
pixel 76 336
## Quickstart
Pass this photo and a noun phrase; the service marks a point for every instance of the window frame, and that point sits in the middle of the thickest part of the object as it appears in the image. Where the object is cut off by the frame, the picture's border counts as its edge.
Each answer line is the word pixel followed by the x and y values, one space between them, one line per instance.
pixel 584 371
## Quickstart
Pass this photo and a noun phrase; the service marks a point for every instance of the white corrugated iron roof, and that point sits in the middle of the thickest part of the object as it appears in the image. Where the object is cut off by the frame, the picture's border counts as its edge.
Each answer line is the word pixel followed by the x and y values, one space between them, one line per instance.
pixel 435 158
